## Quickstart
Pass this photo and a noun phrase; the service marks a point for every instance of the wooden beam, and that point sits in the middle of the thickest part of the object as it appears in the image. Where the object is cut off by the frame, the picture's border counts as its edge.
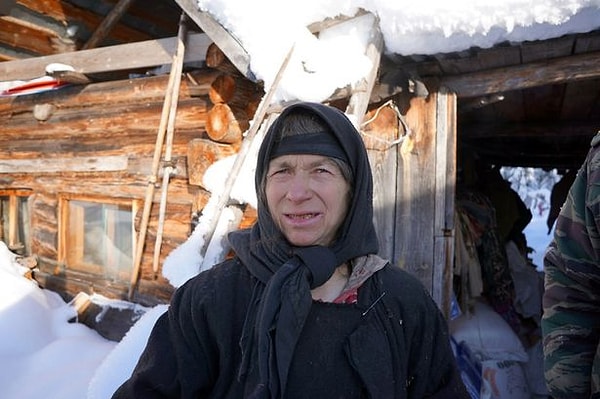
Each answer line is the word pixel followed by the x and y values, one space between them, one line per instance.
pixel 103 30
pixel 548 72
pixel 148 54
pixel 228 43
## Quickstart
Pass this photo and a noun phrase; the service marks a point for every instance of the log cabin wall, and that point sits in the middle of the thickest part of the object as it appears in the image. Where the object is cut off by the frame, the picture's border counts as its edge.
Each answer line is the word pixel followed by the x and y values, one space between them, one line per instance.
pixel 64 149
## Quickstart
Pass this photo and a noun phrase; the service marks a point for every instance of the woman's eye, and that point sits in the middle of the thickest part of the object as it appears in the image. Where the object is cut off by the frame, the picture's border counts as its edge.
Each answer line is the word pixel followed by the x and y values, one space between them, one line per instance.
pixel 281 171
pixel 323 170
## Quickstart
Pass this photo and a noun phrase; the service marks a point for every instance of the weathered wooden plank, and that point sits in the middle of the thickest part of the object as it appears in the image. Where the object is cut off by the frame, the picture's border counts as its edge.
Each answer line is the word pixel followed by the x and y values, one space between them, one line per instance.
pixel 380 133
pixel 548 72
pixel 415 210
pixel 148 54
pixel 444 171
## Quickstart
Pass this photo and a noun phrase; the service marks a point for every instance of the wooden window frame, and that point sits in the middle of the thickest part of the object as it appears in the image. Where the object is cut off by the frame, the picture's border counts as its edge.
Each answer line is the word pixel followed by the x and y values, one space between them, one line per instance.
pixel 15 227
pixel 70 241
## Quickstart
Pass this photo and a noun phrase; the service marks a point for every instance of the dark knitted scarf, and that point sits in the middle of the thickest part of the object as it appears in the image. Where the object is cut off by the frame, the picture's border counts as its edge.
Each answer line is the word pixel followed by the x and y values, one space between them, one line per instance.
pixel 286 274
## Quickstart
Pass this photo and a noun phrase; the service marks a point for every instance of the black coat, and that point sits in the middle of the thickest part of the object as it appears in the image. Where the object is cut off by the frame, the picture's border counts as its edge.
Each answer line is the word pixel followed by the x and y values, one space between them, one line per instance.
pixel 194 351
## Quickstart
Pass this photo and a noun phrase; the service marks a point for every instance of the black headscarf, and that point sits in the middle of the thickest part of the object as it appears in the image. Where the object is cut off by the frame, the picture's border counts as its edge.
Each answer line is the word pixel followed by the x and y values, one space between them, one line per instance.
pixel 286 274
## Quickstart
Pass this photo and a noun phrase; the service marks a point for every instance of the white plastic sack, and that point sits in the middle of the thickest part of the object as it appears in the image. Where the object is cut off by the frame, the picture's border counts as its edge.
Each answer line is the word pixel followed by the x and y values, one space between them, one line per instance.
pixel 503 379
pixel 487 334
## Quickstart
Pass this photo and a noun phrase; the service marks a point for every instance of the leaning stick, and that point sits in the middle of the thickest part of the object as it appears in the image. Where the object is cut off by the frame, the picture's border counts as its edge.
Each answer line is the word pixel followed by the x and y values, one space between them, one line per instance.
pixel 168 168
pixel 160 137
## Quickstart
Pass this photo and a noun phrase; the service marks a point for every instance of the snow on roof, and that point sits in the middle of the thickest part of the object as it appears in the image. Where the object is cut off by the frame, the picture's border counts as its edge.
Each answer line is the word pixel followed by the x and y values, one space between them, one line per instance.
pixel 268 29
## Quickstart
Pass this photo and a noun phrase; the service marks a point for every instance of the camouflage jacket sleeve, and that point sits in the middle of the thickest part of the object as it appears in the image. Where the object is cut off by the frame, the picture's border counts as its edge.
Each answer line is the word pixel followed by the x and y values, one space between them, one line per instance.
pixel 571 319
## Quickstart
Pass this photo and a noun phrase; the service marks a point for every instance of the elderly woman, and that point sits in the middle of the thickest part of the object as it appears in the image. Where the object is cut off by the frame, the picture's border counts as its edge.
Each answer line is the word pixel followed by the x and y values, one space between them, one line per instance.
pixel 305 308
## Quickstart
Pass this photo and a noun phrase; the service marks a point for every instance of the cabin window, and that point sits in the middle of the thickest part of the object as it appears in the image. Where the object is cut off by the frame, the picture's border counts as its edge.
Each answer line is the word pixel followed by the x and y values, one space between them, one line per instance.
pixel 14 214
pixel 98 237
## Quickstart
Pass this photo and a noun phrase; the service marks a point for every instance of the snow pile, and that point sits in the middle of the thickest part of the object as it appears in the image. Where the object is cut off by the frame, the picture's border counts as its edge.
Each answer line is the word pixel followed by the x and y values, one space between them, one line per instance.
pixel 35 332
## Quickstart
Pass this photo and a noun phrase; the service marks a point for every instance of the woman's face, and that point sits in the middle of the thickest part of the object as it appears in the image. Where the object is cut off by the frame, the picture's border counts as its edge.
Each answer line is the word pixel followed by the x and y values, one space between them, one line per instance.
pixel 307 197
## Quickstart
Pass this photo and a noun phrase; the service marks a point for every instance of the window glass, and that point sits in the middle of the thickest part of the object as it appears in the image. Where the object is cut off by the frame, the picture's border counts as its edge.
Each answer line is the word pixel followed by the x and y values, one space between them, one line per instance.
pixel 99 238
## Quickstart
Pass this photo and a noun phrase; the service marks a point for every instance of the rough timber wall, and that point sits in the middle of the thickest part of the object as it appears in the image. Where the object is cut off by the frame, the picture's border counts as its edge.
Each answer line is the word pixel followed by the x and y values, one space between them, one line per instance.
pixel 97 141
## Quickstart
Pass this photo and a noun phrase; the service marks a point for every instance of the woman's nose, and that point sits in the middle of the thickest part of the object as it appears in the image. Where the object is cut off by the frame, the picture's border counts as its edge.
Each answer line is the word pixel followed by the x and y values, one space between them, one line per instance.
pixel 299 188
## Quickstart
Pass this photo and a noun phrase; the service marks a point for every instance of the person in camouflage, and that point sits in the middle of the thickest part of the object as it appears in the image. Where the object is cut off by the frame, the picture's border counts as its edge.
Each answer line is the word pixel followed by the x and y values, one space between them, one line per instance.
pixel 571 301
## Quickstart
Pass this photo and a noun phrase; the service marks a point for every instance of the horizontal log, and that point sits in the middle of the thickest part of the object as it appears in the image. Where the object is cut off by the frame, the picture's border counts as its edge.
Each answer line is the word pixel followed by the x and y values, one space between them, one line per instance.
pixel 116 163
pixel 109 185
pixel 139 122
pixel 73 164
pixel 138 91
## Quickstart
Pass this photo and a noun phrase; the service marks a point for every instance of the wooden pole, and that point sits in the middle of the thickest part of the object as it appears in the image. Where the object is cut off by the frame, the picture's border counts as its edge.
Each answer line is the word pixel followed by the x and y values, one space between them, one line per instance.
pixel 168 167
pixel 160 137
